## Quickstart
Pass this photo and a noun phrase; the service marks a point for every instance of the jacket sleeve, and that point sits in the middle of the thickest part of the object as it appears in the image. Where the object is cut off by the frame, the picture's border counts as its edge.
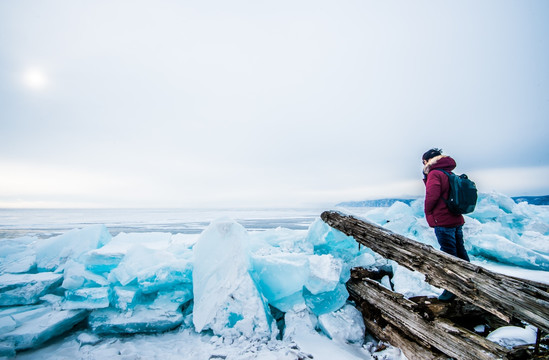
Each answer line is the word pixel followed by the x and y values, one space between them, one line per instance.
pixel 433 190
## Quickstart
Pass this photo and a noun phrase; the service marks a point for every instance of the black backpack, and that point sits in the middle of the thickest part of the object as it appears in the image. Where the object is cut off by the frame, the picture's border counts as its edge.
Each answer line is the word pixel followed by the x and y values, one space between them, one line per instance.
pixel 462 197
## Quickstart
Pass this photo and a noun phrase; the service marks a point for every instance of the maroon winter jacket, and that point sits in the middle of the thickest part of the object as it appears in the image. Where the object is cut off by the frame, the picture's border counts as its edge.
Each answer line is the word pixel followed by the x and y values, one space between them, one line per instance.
pixel 437 189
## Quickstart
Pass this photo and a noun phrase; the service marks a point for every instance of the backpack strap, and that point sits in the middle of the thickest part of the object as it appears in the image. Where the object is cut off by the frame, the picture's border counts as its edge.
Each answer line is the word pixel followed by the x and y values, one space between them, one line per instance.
pixel 447 174
pixel 444 171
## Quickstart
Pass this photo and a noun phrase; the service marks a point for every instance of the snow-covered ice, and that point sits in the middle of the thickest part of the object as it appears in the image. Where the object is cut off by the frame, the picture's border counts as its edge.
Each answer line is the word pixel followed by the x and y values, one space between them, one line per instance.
pixel 301 328
pixel 125 297
pixel 509 336
pixel 55 251
pixel 36 324
pixel 87 298
pixel 222 268
pixel 17 255
pixel 24 289
pixel 141 319
pixel 75 276
pixel 344 325
pixel 324 273
pixel 234 293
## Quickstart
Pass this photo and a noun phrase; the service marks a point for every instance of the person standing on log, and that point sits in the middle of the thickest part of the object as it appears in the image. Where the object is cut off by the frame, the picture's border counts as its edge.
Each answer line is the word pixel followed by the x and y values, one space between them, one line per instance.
pixel 448 226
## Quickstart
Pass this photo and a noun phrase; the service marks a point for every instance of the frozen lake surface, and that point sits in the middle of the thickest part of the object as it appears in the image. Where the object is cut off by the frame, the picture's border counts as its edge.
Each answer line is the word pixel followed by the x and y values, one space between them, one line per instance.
pixel 47 222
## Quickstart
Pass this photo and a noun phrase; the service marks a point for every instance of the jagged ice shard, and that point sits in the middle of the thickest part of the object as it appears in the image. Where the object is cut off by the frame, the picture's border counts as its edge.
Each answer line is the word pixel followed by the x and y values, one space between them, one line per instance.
pixel 226 299
pixel 281 277
pixel 54 252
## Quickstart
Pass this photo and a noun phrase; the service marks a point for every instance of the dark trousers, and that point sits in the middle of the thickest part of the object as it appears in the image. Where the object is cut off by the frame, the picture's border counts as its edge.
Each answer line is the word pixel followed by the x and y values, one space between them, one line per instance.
pixel 451 241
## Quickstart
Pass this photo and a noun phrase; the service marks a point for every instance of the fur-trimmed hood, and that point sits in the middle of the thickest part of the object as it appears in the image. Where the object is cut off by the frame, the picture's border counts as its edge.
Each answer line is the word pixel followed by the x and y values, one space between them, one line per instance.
pixel 443 162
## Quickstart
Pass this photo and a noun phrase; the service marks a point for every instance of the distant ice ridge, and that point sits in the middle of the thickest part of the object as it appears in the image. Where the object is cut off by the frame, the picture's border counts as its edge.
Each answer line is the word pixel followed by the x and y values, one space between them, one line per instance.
pixel 498 230
pixel 230 282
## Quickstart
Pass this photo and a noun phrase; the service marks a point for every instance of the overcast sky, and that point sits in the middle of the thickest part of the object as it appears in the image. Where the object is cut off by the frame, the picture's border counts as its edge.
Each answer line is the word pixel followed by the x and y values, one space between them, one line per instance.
pixel 267 103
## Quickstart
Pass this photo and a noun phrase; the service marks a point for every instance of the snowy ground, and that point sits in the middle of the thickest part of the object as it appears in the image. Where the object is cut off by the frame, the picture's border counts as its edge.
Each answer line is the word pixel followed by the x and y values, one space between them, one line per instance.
pixel 217 283
pixel 186 344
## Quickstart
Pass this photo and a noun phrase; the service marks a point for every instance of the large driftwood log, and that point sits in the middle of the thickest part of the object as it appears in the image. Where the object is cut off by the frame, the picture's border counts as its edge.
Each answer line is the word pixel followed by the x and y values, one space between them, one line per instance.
pixel 501 295
pixel 438 335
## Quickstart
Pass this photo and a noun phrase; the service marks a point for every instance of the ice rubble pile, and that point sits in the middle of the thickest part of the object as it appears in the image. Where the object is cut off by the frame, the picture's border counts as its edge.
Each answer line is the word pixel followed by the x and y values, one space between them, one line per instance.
pixel 499 229
pixel 144 282
pixel 228 281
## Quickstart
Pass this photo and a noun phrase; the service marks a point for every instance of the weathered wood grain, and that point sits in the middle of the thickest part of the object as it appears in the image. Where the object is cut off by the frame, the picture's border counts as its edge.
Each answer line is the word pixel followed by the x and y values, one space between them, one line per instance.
pixel 437 335
pixel 409 347
pixel 501 295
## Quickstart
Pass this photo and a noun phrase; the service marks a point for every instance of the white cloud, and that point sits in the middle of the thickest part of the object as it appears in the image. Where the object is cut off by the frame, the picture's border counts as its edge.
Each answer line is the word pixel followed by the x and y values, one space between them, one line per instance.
pixel 513 181
pixel 191 103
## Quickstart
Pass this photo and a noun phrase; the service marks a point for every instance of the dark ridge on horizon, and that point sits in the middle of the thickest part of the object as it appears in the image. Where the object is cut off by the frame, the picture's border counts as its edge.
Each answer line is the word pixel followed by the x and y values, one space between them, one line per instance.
pixel 375 203
pixel 386 202
pixel 533 200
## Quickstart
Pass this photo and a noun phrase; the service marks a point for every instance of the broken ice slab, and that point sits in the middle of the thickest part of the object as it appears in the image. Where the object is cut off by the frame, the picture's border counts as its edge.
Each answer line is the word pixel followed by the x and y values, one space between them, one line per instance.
pixel 343 325
pixel 18 263
pixel 153 269
pixel 76 276
pixel 73 245
pixel 294 302
pixel 21 314
pixel 328 301
pixel 140 320
pixel 86 298
pixel 7 349
pixel 281 274
pixel 169 275
pixel 101 261
pixel 52 300
pixel 172 300
pixel 25 289
pixel 17 255
pixel 37 324
pixel 125 297
pixel 226 299
pixel 7 324
pixel 325 271
pixel 108 257
pixel 494 246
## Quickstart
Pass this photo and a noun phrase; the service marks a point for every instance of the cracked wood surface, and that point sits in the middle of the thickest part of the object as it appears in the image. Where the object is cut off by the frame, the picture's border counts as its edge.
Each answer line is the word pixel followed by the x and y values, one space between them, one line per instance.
pixel 397 320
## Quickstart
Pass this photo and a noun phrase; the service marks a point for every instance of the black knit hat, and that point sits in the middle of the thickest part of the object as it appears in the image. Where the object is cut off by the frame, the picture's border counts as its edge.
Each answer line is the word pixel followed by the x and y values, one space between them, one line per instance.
pixel 431 154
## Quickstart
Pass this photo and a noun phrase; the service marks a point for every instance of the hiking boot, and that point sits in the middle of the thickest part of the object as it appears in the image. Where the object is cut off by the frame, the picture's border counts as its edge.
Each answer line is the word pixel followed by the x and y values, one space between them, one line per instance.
pixel 446 296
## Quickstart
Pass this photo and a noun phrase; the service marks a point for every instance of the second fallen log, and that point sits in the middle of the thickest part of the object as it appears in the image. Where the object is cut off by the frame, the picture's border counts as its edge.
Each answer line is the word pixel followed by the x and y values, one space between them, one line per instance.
pixel 439 333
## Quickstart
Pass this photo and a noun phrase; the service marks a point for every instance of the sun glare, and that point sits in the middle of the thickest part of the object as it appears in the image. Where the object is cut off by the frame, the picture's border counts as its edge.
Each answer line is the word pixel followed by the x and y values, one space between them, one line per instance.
pixel 35 79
